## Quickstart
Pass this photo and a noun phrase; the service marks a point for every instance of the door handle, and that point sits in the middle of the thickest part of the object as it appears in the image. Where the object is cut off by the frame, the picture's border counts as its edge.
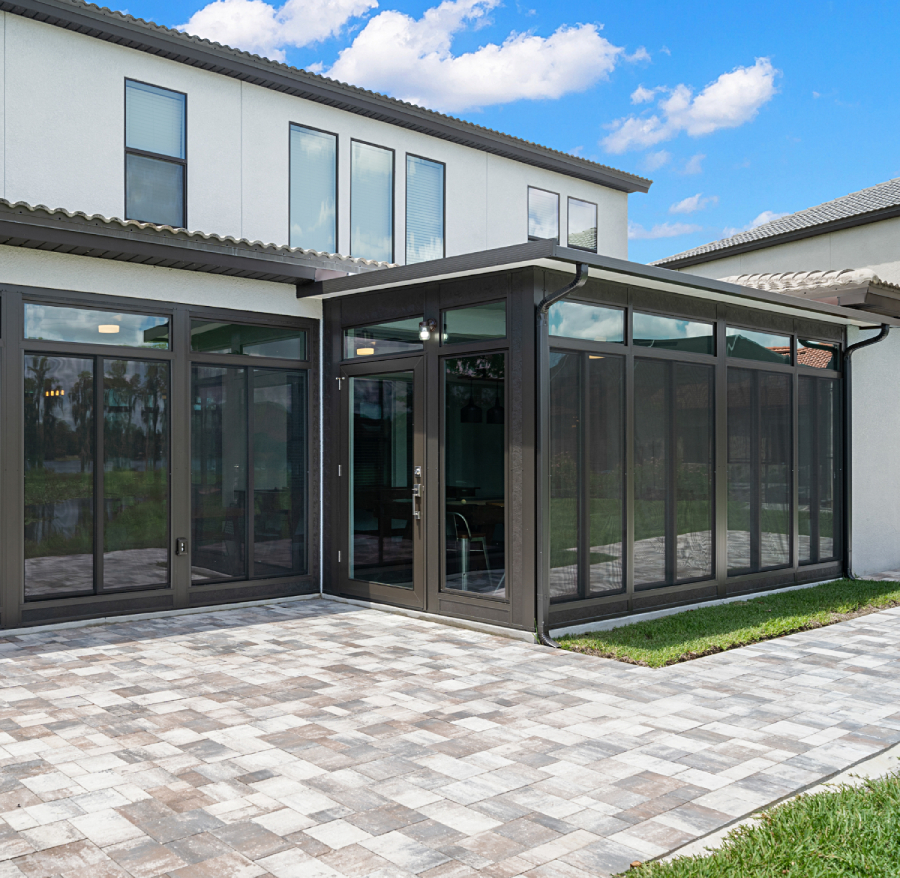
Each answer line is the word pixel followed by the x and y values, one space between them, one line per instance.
pixel 418 492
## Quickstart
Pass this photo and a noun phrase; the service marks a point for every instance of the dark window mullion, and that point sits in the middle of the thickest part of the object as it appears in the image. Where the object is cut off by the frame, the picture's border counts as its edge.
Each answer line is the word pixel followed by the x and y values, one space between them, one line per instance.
pixel 671 507
pixel 99 474
pixel 756 472
pixel 251 476
pixel 815 472
pixel 584 469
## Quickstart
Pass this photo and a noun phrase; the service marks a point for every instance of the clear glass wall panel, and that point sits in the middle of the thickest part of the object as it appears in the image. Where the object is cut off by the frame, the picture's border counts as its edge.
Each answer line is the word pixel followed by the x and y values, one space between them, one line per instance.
pixel 818 354
pixel 590 322
pixel 212 337
pixel 763 346
pixel 565 473
pixel 154 191
pixel 381 479
pixel 396 337
pixel 218 473
pixel 313 189
pixel 819 474
pixel 59 476
pixel 136 474
pixel 543 214
pixel 371 202
pixel 279 472
pixel 154 119
pixel 58 323
pixel 424 210
pixel 672 334
pixel 582 225
pixel 475 323
pixel 475 474
pixel 606 472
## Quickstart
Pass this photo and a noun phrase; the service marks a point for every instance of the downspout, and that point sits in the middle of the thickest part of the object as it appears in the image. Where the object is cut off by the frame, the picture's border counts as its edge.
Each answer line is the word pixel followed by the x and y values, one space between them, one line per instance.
pixel 847 437
pixel 542 483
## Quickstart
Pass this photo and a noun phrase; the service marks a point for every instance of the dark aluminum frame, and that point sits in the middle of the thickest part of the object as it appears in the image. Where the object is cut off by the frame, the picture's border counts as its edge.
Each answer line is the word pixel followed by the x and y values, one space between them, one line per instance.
pixel 406 204
pixel 393 153
pixel 528 235
pixel 569 243
pixel 337 180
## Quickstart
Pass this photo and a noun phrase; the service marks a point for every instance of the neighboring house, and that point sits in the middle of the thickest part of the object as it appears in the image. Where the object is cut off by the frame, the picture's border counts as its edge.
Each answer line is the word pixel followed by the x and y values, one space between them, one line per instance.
pixel 401 358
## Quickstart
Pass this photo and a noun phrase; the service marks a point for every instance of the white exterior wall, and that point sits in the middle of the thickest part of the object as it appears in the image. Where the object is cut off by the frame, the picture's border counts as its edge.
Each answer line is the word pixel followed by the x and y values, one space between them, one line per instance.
pixel 64 135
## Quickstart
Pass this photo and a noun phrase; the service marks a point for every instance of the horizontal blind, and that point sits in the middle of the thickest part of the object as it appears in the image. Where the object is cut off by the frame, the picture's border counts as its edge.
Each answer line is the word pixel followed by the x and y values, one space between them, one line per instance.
pixel 424 210
pixel 371 202
pixel 582 225
pixel 154 191
pixel 154 119
pixel 313 189
pixel 543 214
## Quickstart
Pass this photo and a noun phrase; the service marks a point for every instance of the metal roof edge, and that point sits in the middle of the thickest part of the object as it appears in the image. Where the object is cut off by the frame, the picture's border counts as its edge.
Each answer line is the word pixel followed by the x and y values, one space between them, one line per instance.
pixel 123 29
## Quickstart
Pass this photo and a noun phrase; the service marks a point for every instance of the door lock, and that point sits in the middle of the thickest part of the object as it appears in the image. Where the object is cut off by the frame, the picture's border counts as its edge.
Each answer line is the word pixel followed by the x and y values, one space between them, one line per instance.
pixel 181 546
pixel 418 492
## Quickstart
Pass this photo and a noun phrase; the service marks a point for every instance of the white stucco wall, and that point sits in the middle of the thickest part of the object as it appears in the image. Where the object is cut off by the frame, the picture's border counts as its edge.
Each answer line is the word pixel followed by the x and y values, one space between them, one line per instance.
pixel 874 245
pixel 63 132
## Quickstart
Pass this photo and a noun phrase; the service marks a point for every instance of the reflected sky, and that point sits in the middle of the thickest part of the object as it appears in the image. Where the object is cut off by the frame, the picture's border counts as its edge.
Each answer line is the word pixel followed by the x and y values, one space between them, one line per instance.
pixel 55 323
pixel 580 320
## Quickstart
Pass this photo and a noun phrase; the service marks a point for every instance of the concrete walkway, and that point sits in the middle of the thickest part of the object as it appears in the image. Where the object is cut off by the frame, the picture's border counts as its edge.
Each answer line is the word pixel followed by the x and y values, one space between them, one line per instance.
pixel 313 739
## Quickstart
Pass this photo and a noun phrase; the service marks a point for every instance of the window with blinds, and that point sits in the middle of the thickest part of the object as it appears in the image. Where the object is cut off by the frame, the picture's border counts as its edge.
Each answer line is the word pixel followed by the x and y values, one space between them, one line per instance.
pixel 424 210
pixel 371 202
pixel 543 214
pixel 582 225
pixel 155 154
pixel 313 189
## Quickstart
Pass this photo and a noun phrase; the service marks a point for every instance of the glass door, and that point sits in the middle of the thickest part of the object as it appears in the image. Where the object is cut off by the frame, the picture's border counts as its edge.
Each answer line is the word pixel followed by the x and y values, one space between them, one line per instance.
pixel 383 485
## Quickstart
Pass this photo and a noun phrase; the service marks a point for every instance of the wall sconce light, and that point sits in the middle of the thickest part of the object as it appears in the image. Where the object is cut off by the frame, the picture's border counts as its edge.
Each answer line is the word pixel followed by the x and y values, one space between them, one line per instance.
pixel 426 328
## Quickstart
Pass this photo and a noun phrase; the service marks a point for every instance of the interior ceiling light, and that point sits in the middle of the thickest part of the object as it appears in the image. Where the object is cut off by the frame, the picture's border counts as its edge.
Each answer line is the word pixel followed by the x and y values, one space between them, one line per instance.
pixel 365 352
pixel 110 328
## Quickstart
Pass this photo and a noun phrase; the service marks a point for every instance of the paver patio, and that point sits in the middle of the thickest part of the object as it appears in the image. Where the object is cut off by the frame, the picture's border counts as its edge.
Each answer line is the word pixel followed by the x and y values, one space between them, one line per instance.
pixel 316 739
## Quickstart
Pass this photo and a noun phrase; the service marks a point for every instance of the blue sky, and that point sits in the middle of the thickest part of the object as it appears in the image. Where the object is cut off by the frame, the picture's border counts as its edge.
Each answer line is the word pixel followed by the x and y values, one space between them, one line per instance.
pixel 738 112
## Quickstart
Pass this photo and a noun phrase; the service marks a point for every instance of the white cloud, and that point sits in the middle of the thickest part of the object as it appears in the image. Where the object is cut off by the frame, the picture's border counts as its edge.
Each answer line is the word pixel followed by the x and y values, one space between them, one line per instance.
pixel 694 165
pixel 660 230
pixel 642 95
pixel 765 217
pixel 639 54
pixel 411 59
pixel 732 100
pixel 693 203
pixel 257 26
pixel 653 161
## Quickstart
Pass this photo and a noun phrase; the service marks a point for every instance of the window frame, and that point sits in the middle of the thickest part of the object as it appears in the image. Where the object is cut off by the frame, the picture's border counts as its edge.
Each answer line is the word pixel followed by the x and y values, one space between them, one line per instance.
pixel 569 244
pixel 393 153
pixel 443 165
pixel 153 155
pixel 528 234
pixel 337 179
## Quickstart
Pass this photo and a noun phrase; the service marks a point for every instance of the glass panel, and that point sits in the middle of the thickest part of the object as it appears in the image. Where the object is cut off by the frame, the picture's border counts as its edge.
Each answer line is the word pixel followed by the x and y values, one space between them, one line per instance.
pixel 59 476
pixel 673 334
pixel 279 472
pixel 313 189
pixel 764 346
pixel 243 338
pixel 475 474
pixel 154 119
pixel 55 323
pixel 154 191
pixel 759 470
pixel 218 473
pixel 818 354
pixel 606 473
pixel 818 477
pixel 396 337
pixel 590 322
pixel 381 479
pixel 371 202
pixel 475 323
pixel 424 210
pixel 582 225
pixel 565 473
pixel 136 474
pixel 543 214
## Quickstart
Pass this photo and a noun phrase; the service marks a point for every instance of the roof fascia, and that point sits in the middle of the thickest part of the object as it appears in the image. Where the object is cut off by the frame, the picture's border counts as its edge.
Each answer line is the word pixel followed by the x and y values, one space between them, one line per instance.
pixel 220 59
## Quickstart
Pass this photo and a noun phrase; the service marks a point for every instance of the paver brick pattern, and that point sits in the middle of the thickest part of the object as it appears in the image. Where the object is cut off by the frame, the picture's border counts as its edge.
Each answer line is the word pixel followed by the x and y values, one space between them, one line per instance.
pixel 314 739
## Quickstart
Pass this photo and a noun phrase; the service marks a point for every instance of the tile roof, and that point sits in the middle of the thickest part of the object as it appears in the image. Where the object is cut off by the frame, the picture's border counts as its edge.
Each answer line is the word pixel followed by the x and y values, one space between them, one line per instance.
pixel 811 281
pixel 867 205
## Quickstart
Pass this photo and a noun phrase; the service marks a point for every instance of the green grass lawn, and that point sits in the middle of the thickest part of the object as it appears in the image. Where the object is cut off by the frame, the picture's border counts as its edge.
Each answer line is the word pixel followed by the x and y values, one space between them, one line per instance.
pixel 844 832
pixel 708 630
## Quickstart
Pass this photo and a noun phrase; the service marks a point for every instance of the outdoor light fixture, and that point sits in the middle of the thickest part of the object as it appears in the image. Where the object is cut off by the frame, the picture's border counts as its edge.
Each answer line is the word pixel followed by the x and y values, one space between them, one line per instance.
pixel 109 328
pixel 426 327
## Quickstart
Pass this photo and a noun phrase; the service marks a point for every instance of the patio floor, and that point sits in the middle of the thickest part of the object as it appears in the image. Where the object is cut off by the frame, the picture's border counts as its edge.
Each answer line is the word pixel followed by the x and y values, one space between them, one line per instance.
pixel 317 739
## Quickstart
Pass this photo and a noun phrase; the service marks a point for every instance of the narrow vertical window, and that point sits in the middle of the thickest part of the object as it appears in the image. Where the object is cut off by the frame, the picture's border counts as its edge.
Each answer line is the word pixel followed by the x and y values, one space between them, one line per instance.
pixel 371 202
pixel 313 189
pixel 424 210
pixel 543 214
pixel 155 154
pixel 582 234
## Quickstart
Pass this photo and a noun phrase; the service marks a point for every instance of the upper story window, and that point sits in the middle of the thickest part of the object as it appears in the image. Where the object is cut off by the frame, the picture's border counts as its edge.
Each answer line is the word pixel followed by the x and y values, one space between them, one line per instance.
pixel 543 214
pixel 313 189
pixel 582 225
pixel 155 154
pixel 424 209
pixel 371 202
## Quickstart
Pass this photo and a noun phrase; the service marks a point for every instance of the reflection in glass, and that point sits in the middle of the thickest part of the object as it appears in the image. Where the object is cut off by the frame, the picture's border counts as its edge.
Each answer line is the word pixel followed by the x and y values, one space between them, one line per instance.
pixel 818 354
pixel 582 225
pixel 136 477
pixel 381 479
pixel 591 322
pixel 59 476
pixel 154 191
pixel 313 189
pixel 424 210
pixel 371 202
pixel 818 477
pixel 279 472
pixel 56 323
pixel 763 346
pixel 475 474
pixel 218 473
pixel 672 334
pixel 759 470
pixel 211 337
pixel 475 323
pixel 543 214
pixel 651 470
pixel 396 337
